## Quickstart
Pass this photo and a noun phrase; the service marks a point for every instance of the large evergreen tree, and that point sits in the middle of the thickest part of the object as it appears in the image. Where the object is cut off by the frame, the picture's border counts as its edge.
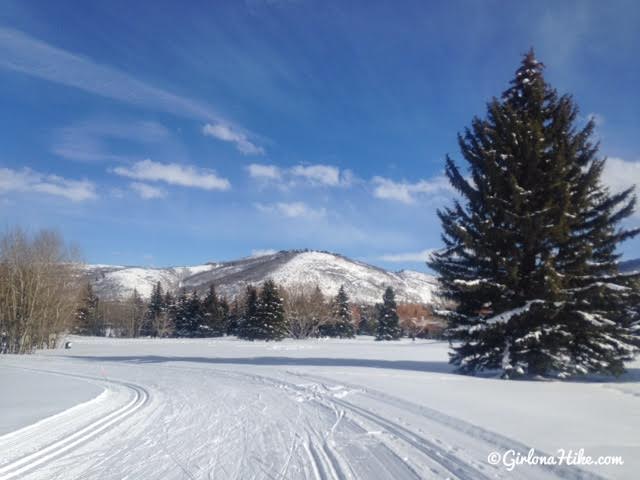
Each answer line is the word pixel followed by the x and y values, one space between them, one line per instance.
pixel 530 250
pixel 155 309
pixel 215 314
pixel 388 322
pixel 368 324
pixel 247 323
pixel 195 316
pixel 233 318
pixel 340 324
pixel 225 312
pixel 88 319
pixel 271 322
pixel 180 314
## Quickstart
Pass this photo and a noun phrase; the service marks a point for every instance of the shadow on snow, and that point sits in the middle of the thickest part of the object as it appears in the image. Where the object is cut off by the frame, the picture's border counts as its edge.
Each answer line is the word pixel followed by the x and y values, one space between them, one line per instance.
pixel 434 367
pixel 632 375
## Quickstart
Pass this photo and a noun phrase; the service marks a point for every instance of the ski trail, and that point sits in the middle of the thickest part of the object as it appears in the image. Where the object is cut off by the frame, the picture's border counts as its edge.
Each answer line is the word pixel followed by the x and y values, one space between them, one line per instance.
pixel 494 440
pixel 18 467
pixel 235 423
pixel 451 463
pixel 325 456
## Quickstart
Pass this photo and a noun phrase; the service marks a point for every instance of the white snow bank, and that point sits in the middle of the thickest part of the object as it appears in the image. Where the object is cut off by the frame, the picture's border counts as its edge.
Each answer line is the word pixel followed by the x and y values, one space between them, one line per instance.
pixel 31 396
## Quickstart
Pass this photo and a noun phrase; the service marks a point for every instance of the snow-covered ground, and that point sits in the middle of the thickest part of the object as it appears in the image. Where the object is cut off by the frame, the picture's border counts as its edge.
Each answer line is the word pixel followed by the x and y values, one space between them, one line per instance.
pixel 224 408
pixel 29 396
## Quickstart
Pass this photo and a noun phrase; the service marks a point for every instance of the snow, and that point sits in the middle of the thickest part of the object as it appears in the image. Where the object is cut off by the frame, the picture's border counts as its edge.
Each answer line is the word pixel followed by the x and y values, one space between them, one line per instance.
pixel 224 408
pixel 595 319
pixel 364 283
pixel 607 285
pixel 36 395
pixel 503 317
pixel 119 282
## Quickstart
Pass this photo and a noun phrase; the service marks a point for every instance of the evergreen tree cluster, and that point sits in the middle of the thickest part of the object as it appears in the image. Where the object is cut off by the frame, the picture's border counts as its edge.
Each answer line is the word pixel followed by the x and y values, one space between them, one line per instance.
pixel 260 314
pixel 388 322
pixel 186 315
pixel 530 255
pixel 192 316
pixel 88 318
pixel 263 316
pixel 340 324
pixel 368 324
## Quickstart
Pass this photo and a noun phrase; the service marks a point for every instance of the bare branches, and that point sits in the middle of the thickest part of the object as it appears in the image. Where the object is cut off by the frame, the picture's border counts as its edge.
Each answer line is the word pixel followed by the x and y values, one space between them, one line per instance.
pixel 38 289
pixel 306 310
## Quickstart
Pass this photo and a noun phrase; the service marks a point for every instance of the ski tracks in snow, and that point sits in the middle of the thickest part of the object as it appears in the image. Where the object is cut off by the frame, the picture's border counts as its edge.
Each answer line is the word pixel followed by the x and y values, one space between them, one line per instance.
pixel 400 447
pixel 232 423
pixel 47 440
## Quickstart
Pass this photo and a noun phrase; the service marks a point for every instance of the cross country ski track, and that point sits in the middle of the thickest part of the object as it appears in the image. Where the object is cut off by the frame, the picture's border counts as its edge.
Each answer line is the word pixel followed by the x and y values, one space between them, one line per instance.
pixel 218 422
pixel 66 432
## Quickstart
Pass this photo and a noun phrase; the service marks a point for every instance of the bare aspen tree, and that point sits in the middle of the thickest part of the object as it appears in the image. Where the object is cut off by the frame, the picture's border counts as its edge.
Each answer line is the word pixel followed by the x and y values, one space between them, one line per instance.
pixel 135 308
pixel 123 318
pixel 39 282
pixel 306 309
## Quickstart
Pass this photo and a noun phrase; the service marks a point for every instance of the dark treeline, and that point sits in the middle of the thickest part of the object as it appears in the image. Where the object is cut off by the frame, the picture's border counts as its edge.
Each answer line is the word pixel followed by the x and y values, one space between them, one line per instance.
pixel 267 312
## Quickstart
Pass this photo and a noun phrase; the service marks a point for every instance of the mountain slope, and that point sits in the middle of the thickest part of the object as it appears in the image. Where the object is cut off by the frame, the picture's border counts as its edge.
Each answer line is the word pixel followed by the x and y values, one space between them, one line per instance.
pixel 364 283
pixel 628 266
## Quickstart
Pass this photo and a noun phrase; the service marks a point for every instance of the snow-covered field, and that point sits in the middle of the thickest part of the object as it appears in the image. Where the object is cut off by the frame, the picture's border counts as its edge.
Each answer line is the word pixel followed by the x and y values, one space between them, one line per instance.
pixel 226 409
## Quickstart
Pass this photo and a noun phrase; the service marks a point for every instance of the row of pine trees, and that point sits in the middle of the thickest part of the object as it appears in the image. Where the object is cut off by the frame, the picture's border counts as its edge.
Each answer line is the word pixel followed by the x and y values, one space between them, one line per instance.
pixel 259 315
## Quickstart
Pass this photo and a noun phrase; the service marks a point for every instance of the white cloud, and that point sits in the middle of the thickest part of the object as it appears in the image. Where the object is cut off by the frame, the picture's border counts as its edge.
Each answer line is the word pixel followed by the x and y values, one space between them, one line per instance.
pixel 619 174
pixel 22 53
pixel 320 174
pixel 404 192
pixel 292 210
pixel 147 191
pixel 174 174
pixel 261 252
pixel 226 133
pixel 314 175
pixel 265 172
pixel 421 256
pixel 597 119
pixel 27 180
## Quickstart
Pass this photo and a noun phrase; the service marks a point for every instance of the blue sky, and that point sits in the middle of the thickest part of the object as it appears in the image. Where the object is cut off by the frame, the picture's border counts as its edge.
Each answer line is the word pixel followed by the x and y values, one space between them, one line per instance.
pixel 165 133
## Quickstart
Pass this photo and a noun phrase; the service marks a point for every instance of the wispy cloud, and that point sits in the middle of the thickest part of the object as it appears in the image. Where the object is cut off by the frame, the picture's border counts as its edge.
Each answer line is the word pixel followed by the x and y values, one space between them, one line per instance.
pixel 174 174
pixel 27 180
pixel 620 174
pixel 326 175
pixel 292 210
pixel 264 172
pixel 147 191
pixel 87 141
pixel 405 192
pixel 226 133
pixel 261 252
pixel 597 118
pixel 25 54
pixel 421 256
pixel 312 175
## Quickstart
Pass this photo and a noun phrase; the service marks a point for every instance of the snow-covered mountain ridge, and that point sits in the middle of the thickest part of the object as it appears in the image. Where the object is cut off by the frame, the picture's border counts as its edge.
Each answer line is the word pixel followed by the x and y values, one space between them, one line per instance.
pixel 364 283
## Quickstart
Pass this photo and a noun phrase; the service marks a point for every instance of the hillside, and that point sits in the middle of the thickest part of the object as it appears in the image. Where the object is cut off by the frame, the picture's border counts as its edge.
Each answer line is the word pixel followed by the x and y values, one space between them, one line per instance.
pixel 628 266
pixel 364 283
